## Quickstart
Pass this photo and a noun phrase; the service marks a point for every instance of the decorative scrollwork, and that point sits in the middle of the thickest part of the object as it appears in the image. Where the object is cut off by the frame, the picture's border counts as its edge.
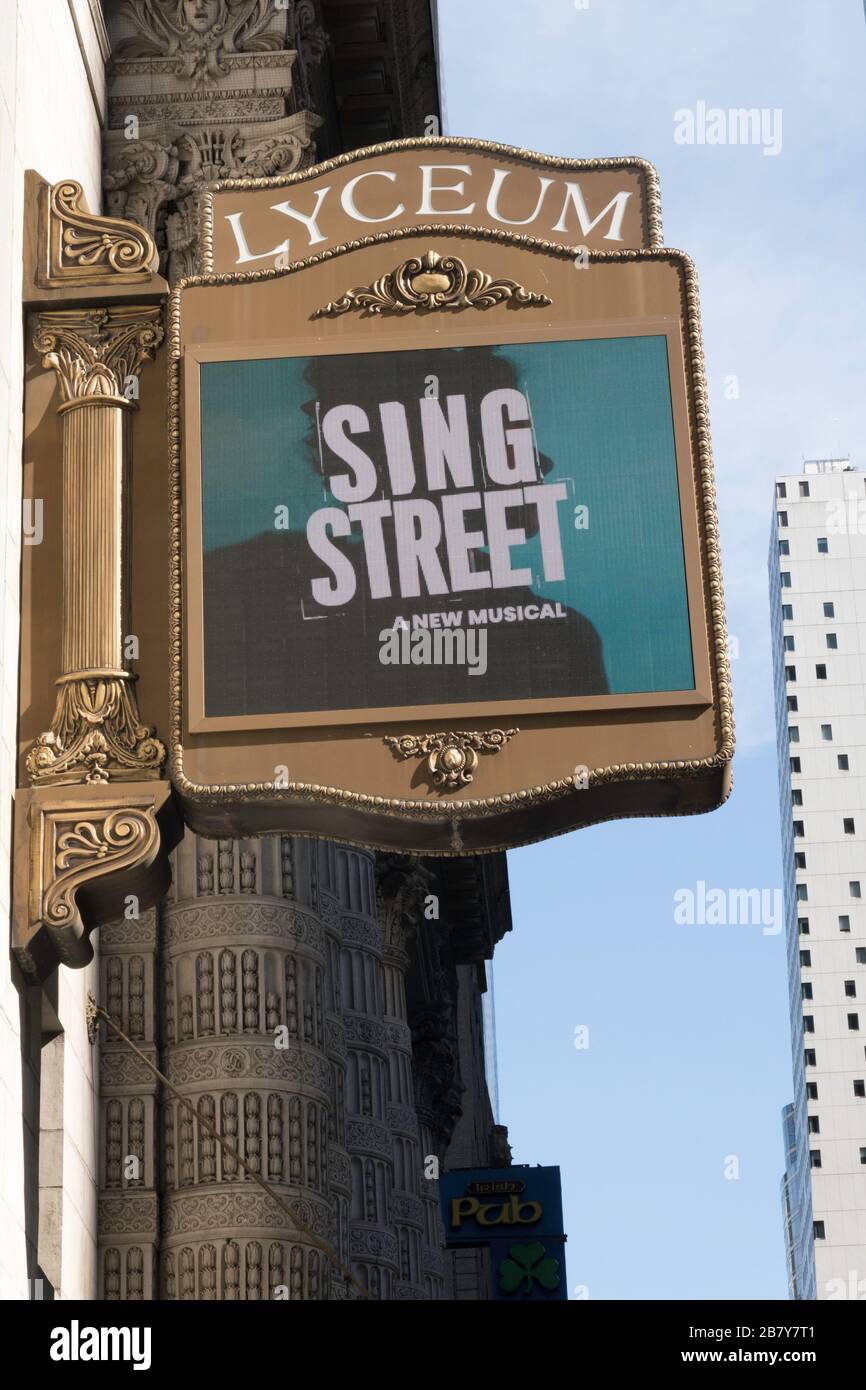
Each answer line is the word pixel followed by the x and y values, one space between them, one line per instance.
pixel 84 847
pixel 84 248
pixel 96 736
pixel 428 283
pixel 451 757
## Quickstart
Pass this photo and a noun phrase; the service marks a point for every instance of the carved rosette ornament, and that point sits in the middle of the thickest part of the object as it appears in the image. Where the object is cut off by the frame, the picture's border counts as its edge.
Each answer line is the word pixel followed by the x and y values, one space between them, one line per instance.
pixel 429 283
pixel 96 733
pixel 452 758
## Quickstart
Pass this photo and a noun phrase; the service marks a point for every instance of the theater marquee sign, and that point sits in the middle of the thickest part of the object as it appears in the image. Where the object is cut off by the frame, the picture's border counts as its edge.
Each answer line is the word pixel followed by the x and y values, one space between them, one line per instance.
pixel 444 534
pixel 428 557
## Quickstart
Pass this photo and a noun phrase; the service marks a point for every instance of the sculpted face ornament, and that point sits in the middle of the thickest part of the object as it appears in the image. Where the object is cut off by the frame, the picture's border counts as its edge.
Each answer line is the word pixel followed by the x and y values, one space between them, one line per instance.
pixel 202 15
pixel 199 32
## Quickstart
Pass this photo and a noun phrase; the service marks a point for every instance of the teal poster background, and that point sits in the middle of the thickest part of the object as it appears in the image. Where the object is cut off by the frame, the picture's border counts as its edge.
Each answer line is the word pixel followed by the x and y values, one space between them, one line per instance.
pixel 601 414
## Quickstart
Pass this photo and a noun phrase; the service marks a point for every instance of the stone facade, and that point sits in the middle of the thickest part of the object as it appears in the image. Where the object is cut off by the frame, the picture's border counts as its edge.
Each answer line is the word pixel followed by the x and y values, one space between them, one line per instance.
pixel 294 992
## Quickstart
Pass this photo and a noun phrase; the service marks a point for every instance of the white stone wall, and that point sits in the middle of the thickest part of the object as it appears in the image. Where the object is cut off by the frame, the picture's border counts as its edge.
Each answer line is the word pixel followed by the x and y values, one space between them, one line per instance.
pixel 819 555
pixel 51 93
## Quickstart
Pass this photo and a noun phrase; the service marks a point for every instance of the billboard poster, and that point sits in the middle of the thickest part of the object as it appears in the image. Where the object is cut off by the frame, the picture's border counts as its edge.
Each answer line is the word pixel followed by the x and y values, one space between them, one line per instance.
pixel 440 526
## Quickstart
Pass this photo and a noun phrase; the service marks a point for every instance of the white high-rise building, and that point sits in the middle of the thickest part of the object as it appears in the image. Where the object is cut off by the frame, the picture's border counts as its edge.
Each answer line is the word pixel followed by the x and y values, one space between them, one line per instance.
pixel 818 602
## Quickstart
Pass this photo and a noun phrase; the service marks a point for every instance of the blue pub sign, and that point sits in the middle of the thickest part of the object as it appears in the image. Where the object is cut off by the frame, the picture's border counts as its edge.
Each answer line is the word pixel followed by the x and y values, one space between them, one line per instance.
pixel 517 1213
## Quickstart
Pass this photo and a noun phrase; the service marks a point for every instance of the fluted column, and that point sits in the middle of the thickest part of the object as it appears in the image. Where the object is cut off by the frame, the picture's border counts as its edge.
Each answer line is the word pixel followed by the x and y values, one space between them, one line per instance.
pixel 96 733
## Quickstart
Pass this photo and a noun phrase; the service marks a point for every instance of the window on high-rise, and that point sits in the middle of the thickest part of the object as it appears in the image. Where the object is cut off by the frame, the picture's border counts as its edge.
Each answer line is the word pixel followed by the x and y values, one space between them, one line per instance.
pixel 815 1158
pixel 850 989
pixel 790 673
pixel 842 762
pixel 863 1155
pixel 806 990
pixel 804 489
pixel 818 1226
pixel 808 1023
pixel 803 926
pixel 848 825
pixel 805 957
pixel 829 610
pixel 788 644
pixel 785 579
pixel 811 1090
pixel 854 888
pixel 854 1023
pixel 814 1124
pixel 798 829
pixel 796 792
pixel 844 923
pixel 860 952
pixel 823 548
pixel 793 707
pixel 820 672
pixel 860 1090
pixel 784 547
pixel 802 893
pixel 827 733
pixel 800 859
pixel 788 612
pixel 783 518
pixel 793 734
pixel 781 490
pixel 832 641
pixel 810 1056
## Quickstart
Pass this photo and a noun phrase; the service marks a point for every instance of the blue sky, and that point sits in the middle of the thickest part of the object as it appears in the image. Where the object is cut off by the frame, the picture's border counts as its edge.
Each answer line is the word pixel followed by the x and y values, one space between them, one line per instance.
pixel 689 1055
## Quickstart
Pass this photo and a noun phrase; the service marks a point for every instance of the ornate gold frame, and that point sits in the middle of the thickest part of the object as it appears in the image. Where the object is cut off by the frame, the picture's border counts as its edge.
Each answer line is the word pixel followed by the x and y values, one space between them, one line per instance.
pixel 438 142
pixel 429 809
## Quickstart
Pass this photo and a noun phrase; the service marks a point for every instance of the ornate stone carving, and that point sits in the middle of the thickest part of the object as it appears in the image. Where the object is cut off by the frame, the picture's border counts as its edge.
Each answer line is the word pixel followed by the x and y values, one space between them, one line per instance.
pixel 187 1213
pixel 437 1067
pixel 428 283
pixel 214 920
pixel 128 1214
pixel 210 85
pixel 198 34
pixel 451 757
pixel 402 883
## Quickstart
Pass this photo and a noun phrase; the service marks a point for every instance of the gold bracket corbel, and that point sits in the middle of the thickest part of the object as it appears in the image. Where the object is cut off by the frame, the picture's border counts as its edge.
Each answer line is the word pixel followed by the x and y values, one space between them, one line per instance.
pixel 79 248
pixel 86 860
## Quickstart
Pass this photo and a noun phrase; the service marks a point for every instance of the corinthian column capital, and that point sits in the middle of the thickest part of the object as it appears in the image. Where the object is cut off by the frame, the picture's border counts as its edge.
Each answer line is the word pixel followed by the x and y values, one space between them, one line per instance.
pixel 98 354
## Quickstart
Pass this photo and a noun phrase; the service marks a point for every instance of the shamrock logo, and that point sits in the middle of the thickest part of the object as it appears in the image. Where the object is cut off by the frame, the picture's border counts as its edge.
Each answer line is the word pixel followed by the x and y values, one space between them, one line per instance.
pixel 528 1264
